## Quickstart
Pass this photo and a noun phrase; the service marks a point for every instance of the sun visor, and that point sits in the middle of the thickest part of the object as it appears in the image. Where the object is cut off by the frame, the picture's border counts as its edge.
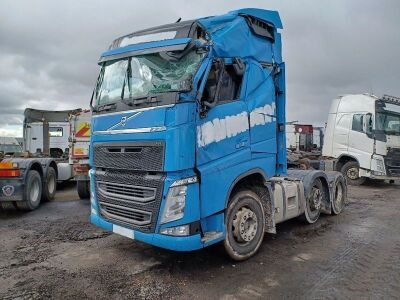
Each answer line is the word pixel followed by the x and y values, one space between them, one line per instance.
pixel 145 48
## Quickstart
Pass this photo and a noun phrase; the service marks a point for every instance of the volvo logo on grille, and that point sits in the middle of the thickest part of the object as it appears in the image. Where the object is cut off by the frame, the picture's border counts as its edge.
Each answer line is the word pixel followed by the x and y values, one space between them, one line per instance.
pixel 123 121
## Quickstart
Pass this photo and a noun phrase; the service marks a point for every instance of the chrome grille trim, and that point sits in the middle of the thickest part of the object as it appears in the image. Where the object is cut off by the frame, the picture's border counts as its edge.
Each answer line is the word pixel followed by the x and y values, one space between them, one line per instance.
pixel 124 192
pixel 124 214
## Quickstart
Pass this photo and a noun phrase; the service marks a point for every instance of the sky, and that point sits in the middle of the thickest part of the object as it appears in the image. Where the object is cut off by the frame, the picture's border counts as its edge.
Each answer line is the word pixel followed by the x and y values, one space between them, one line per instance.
pixel 49 49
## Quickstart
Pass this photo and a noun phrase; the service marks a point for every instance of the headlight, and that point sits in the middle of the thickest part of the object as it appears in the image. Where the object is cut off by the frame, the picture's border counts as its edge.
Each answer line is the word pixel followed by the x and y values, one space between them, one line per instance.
pixel 378 166
pixel 176 231
pixel 176 199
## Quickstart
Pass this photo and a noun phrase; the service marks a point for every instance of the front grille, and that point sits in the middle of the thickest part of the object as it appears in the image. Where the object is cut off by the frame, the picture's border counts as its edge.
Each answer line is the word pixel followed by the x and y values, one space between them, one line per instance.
pixel 126 192
pixel 138 156
pixel 130 198
pixel 392 162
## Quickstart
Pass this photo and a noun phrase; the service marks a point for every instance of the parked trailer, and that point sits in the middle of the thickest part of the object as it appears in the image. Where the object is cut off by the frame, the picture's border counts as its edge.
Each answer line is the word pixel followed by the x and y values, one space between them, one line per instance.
pixel 26 179
pixel 188 137
pixel 79 142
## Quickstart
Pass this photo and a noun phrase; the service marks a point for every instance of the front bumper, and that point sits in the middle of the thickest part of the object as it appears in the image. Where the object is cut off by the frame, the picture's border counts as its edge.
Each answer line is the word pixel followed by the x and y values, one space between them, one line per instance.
pixel 176 243
pixel 11 189
pixel 384 177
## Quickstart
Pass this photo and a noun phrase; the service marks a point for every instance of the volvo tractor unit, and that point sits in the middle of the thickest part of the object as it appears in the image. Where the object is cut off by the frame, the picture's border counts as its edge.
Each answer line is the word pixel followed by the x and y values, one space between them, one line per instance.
pixel 188 137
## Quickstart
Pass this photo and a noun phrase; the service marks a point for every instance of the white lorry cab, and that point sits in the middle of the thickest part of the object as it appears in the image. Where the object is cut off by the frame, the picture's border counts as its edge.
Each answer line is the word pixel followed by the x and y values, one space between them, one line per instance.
pixel 363 135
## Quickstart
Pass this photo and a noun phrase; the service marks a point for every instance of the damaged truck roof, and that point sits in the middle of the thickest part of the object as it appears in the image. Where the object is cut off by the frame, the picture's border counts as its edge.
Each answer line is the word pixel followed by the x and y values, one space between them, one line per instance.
pixel 226 32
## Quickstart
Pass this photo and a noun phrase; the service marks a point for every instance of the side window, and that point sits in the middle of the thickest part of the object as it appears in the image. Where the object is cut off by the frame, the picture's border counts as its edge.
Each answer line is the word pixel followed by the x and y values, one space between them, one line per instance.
pixel 358 120
pixel 211 85
pixel 223 84
pixel 230 85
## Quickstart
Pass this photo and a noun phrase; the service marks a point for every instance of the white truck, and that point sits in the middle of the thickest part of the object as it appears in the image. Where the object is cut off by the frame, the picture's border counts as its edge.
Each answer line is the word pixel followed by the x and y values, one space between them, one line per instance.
pixel 58 132
pixel 363 137
pixel 79 142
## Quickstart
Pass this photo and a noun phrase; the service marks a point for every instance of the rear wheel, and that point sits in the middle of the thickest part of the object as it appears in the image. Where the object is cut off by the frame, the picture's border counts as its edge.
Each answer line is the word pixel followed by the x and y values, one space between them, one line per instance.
pixel 314 202
pixel 339 197
pixel 245 224
pixel 351 170
pixel 83 187
pixel 49 187
pixel 32 192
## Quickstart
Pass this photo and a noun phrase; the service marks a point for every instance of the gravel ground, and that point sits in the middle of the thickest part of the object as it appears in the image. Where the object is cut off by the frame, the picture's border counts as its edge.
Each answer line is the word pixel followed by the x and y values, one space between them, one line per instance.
pixel 54 252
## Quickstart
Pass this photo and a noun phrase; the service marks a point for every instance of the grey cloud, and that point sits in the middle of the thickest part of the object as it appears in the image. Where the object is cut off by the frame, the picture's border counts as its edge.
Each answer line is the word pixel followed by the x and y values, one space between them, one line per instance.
pixel 49 49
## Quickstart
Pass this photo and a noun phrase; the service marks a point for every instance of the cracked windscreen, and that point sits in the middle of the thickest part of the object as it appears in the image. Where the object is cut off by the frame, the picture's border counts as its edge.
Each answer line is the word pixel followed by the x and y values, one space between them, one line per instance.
pixel 143 75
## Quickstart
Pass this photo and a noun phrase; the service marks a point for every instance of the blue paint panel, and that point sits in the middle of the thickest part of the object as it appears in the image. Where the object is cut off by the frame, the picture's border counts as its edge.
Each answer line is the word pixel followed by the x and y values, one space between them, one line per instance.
pixel 229 38
pixel 218 176
pixel 148 45
pixel 134 119
pixel 260 93
pixel 217 121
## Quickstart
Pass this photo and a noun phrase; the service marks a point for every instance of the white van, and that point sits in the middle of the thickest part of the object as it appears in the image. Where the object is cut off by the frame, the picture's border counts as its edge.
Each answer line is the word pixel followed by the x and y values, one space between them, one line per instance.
pixel 363 134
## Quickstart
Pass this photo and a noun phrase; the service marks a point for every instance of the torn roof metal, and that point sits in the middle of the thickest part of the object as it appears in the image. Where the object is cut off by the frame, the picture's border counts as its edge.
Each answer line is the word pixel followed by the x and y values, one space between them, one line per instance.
pixel 228 33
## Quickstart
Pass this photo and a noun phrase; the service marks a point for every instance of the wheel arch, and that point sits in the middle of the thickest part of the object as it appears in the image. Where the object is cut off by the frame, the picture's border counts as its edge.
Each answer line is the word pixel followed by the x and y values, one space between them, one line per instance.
pixel 343 159
pixel 308 177
pixel 35 165
pixel 252 176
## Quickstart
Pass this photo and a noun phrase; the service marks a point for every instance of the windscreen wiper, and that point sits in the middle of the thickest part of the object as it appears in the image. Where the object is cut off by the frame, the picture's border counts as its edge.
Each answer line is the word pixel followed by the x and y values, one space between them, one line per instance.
pixel 105 107
pixel 136 101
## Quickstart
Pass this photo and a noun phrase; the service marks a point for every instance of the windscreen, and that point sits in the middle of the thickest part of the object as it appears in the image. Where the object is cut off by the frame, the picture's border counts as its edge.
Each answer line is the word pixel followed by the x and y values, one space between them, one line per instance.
pixel 389 123
pixel 143 75
pixel 10 148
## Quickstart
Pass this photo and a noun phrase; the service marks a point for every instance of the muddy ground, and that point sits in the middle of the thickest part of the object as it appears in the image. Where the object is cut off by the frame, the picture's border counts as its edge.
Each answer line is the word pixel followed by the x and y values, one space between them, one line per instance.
pixel 54 252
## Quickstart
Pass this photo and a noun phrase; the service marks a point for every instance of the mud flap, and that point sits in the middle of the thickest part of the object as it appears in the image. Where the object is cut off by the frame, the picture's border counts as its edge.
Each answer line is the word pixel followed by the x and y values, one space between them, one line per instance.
pixel 308 177
pixel 269 208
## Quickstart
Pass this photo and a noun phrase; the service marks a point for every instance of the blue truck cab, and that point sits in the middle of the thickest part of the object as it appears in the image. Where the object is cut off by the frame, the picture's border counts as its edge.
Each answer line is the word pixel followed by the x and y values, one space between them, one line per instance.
pixel 188 137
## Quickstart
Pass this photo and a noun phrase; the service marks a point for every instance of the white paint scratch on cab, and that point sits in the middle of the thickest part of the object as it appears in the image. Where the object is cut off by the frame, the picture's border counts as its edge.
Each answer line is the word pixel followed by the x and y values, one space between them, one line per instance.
pixel 262 115
pixel 230 126
pixel 220 129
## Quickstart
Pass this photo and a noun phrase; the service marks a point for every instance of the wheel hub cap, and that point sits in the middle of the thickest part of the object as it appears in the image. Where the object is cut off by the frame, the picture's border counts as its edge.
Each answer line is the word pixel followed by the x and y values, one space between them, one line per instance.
pixel 245 225
pixel 352 173
pixel 316 199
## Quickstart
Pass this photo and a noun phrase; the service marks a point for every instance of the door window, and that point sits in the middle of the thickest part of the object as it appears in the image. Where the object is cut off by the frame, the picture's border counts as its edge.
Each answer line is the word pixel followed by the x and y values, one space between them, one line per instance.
pixel 223 84
pixel 358 121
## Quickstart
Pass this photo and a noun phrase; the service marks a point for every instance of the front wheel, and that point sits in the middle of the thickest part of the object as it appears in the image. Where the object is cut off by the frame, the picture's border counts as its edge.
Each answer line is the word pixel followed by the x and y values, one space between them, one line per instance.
pixel 245 224
pixel 351 170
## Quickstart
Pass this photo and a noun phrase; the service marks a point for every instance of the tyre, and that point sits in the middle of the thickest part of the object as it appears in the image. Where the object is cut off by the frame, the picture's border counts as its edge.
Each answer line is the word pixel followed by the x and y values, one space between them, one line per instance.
pixel 83 187
pixel 32 192
pixel 50 186
pixel 351 171
pixel 339 195
pixel 314 202
pixel 245 225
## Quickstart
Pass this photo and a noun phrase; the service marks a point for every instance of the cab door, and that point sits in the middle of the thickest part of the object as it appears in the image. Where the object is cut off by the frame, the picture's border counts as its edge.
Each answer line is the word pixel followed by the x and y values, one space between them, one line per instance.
pixel 223 123
pixel 223 138
pixel 361 146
